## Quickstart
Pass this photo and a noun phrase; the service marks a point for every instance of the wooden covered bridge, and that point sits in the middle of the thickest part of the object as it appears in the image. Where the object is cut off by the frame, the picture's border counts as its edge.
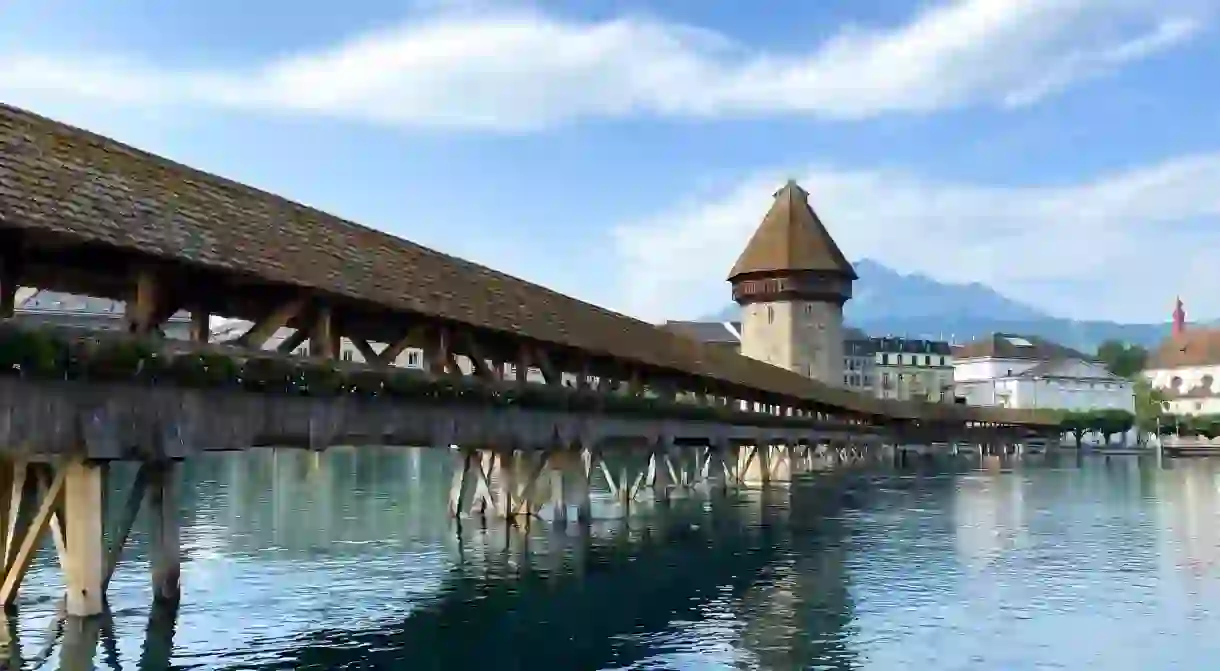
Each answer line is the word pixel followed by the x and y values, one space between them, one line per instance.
pixel 83 214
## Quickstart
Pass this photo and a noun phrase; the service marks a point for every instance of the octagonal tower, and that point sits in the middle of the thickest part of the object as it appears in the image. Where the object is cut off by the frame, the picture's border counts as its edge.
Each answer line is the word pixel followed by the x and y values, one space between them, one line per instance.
pixel 792 282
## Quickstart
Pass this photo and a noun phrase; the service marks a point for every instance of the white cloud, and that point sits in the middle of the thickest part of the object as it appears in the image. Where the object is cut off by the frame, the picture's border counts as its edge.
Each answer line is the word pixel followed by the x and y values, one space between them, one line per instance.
pixel 1119 247
pixel 515 68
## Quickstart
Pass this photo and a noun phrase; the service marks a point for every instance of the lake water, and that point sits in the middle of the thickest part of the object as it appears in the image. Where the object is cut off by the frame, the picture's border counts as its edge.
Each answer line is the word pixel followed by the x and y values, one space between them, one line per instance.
pixel 347 560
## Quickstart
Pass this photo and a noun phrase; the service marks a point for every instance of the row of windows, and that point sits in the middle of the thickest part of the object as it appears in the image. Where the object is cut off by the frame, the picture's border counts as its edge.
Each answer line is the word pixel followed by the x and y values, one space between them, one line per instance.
pixel 914 360
pixel 857 380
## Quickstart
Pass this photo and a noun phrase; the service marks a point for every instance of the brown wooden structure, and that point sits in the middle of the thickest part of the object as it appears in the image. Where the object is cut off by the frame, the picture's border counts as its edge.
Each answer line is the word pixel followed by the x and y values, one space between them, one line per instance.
pixel 83 214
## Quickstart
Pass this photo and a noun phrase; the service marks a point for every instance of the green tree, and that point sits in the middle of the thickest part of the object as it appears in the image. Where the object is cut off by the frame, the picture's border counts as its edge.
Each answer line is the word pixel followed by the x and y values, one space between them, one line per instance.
pixel 1110 422
pixel 1076 423
pixel 1149 407
pixel 1122 359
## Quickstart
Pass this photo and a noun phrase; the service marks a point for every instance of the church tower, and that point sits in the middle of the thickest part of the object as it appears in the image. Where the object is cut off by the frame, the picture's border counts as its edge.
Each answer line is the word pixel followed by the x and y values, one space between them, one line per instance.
pixel 792 282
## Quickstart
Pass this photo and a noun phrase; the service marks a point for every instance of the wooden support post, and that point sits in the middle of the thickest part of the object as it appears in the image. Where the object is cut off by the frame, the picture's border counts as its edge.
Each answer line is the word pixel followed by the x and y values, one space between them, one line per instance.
pixel 83 505
pixel 201 330
pixel 165 550
pixel 659 472
pixel 522 366
pixel 324 336
pixel 466 480
pixel 141 311
pixel 10 276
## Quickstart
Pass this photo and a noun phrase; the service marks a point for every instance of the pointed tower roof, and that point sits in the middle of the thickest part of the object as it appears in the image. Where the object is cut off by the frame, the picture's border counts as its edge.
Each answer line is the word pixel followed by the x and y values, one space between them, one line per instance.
pixel 791 237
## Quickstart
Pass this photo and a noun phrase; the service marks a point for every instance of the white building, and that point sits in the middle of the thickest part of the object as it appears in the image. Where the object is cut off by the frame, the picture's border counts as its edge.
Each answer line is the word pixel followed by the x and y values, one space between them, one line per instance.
pixel 1014 371
pixel 1186 367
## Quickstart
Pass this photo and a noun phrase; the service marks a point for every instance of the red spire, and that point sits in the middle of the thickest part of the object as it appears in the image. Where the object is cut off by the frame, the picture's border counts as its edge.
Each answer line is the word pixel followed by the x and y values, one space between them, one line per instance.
pixel 1179 318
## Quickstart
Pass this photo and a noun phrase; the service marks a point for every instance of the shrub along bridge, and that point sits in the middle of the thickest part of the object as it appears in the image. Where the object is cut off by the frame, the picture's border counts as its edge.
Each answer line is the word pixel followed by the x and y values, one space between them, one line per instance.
pixel 650 409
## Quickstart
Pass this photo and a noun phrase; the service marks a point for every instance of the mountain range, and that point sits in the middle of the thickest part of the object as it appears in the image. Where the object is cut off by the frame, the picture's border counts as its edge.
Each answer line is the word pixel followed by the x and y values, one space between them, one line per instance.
pixel 887 302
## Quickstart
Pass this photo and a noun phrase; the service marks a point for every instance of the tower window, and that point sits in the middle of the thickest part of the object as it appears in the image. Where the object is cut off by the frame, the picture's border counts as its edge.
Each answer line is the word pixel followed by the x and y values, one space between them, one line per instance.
pixel 770 315
pixel 809 308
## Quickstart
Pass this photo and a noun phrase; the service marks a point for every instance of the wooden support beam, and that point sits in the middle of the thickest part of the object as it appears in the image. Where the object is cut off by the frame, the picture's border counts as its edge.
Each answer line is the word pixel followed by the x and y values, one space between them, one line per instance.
pixel 131 509
pixel 262 330
pixel 83 504
pixel 201 329
pixel 522 366
pixel 165 548
pixel 59 533
pixel 22 504
pixel 143 312
pixel 366 350
pixel 291 343
pixel 549 372
pixel 10 277
pixel 324 336
pixel 414 337
pixel 478 358
pixel 27 545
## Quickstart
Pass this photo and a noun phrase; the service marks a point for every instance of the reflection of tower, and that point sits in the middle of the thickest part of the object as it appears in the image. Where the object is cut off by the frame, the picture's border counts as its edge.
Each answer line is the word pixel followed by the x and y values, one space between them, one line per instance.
pixel 797 615
pixel 792 282
pixel 1179 318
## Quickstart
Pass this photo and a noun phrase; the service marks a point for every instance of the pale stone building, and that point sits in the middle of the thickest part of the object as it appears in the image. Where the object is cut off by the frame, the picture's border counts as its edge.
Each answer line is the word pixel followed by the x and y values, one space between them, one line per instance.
pixel 913 369
pixel 1185 368
pixel 1015 371
pixel 859 361
pixel 792 281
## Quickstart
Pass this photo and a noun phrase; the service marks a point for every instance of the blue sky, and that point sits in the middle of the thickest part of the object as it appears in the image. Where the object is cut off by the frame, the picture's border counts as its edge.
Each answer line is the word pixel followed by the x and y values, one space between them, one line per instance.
pixel 1067 152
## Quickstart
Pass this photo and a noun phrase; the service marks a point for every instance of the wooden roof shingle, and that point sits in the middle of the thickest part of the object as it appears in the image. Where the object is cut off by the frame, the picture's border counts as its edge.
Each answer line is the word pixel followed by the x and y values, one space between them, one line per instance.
pixel 791 237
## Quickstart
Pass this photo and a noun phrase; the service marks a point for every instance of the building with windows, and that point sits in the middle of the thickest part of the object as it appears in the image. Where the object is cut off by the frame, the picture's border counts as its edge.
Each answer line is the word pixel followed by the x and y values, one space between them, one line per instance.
pixel 913 369
pixel 1015 371
pixel 1185 368
pixel 859 360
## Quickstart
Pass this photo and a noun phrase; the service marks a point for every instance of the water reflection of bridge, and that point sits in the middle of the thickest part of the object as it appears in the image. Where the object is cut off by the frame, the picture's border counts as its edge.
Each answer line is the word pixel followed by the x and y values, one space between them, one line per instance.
pixel 620 596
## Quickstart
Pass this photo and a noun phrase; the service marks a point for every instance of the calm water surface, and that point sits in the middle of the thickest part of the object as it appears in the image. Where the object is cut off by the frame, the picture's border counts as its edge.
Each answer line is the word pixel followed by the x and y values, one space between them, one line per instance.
pixel 348 561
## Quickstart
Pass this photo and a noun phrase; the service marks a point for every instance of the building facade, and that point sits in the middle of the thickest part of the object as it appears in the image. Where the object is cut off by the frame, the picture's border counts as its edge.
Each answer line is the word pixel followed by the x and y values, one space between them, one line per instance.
pixel 1185 368
pixel 1015 371
pixel 791 282
pixel 913 369
pixel 859 361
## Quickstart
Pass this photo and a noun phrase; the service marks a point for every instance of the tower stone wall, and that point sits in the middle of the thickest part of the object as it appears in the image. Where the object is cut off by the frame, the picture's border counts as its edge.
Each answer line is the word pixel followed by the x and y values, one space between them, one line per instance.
pixel 805 337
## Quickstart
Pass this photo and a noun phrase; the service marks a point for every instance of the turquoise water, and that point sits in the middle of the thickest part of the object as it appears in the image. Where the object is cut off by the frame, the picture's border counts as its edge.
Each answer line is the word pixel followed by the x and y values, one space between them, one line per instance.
pixel 349 561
